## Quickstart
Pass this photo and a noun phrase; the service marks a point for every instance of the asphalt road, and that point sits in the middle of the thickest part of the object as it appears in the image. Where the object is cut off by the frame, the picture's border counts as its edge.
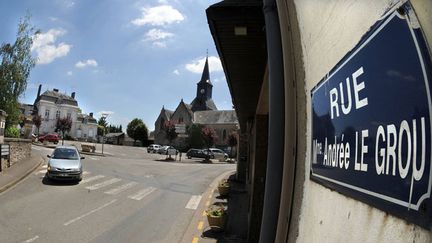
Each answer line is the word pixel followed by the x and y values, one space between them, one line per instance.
pixel 127 196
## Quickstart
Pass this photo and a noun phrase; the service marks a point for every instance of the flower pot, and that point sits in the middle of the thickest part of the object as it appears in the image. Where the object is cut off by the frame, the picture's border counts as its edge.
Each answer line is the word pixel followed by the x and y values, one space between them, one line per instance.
pixel 223 190
pixel 216 222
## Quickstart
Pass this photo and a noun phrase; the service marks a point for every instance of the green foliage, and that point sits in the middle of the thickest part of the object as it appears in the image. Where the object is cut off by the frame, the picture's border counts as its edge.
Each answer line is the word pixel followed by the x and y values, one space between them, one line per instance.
pixel 102 125
pixel 63 125
pixel 37 121
pixel 195 138
pixel 216 211
pixel 137 130
pixel 114 129
pixel 16 63
pixel 12 132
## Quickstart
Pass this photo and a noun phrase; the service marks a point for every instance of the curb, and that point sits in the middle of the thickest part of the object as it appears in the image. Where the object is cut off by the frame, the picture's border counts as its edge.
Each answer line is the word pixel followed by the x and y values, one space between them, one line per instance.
pixel 20 178
pixel 191 230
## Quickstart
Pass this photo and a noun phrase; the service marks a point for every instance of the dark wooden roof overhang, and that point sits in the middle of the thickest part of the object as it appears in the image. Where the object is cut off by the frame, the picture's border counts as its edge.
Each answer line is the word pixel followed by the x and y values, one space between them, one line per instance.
pixel 243 55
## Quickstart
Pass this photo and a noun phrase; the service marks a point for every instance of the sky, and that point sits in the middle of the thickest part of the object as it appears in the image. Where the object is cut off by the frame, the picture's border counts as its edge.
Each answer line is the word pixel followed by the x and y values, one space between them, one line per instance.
pixel 124 58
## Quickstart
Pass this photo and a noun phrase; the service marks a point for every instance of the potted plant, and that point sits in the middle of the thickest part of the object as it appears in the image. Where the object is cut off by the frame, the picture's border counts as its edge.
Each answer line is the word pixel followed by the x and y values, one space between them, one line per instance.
pixel 216 215
pixel 224 187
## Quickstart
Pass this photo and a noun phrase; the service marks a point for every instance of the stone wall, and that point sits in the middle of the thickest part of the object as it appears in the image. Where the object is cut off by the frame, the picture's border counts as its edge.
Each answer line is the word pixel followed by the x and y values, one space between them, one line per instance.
pixel 20 149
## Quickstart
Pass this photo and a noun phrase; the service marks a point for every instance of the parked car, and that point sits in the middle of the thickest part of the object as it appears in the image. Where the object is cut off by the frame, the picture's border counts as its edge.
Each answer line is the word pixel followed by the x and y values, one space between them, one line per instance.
pixel 215 153
pixel 153 148
pixel 65 164
pixel 196 153
pixel 164 150
pixel 54 138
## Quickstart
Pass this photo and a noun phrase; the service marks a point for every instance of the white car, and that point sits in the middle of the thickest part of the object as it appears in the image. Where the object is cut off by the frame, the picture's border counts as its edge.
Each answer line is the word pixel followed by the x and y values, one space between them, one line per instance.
pixel 216 154
pixel 153 148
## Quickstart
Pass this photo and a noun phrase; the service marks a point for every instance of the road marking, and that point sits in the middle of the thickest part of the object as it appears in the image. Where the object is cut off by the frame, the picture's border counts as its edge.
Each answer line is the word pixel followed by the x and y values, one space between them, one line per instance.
pixel 195 240
pixel 87 214
pixel 94 158
pixel 149 176
pixel 200 225
pixel 40 172
pixel 44 166
pixel 103 184
pixel 143 193
pixel 32 239
pixel 208 203
pixel 86 172
pixel 121 188
pixel 204 213
pixel 92 179
pixel 38 149
pixel 194 202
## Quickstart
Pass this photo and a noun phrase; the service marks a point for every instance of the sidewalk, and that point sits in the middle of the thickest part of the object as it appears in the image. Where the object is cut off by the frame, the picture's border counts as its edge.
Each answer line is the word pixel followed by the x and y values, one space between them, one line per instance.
pixel 17 172
pixel 236 225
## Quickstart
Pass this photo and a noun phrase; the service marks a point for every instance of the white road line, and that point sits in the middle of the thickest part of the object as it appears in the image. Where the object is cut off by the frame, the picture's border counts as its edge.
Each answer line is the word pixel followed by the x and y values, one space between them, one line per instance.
pixel 92 179
pixel 94 158
pixel 194 202
pixel 103 184
pixel 149 176
pixel 40 172
pixel 143 193
pixel 121 188
pixel 32 239
pixel 87 214
pixel 44 166
pixel 86 173
pixel 38 149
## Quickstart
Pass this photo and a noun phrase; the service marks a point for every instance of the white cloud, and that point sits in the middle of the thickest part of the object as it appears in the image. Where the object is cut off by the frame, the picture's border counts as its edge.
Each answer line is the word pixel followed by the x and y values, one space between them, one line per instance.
pixel 176 72
pixel 197 65
pixel 87 63
pixel 69 73
pixel 160 44
pixel 159 16
pixel 158 34
pixel 109 113
pixel 45 47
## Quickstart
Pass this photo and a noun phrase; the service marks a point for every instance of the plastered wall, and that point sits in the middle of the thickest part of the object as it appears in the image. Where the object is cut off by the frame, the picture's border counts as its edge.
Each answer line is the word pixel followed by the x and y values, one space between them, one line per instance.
pixel 328 30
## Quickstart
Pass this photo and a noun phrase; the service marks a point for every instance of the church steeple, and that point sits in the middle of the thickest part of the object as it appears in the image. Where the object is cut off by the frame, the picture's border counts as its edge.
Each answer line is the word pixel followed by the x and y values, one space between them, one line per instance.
pixel 203 100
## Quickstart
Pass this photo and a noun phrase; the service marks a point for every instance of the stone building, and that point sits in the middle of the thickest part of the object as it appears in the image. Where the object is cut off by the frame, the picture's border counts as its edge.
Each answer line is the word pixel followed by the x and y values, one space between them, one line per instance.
pixel 52 105
pixel 201 111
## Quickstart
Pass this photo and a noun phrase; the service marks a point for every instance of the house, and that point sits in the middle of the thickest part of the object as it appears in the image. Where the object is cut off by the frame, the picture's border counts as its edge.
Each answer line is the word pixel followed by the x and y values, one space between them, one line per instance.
pixel 52 105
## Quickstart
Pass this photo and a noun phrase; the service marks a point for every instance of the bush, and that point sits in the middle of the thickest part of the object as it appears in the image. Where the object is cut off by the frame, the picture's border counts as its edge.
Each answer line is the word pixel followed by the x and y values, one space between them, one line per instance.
pixel 12 132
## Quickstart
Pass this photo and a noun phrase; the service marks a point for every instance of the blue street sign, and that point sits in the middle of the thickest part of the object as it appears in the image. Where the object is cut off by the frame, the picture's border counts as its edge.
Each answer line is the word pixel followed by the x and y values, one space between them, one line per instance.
pixel 371 121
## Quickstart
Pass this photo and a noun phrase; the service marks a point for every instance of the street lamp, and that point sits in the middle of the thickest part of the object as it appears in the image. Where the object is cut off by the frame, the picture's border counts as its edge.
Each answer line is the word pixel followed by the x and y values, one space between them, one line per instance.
pixel 104 115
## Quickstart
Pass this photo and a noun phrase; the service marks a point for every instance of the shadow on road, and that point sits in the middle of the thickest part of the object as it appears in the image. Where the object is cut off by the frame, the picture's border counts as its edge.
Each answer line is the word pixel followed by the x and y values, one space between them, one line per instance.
pixel 51 182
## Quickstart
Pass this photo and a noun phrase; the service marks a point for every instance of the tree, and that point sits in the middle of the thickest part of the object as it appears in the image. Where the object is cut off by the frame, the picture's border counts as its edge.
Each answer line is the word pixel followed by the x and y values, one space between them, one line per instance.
pixel 15 67
pixel 141 132
pixel 137 130
pixel 63 125
pixel 195 138
pixel 232 141
pixel 170 131
pixel 37 121
pixel 102 126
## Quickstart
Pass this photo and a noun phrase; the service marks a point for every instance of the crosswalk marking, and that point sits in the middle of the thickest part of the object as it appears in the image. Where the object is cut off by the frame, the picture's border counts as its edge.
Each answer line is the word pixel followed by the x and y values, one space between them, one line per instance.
pixel 86 172
pixel 44 166
pixel 194 202
pixel 103 184
pixel 143 193
pixel 121 188
pixel 93 178
pixel 40 172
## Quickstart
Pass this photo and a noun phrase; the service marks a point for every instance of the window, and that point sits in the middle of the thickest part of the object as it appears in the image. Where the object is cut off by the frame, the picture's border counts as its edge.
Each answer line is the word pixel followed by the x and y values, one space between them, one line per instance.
pixel 47 114
pixel 69 115
pixel 181 120
pixel 57 114
pixel 224 135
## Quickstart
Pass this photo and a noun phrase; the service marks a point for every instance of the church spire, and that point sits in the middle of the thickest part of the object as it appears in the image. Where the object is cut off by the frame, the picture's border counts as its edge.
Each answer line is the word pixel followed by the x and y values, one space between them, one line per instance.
pixel 206 74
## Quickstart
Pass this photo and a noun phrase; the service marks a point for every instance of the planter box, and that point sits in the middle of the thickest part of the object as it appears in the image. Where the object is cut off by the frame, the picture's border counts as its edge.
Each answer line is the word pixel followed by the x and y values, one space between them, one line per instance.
pixel 216 223
pixel 223 190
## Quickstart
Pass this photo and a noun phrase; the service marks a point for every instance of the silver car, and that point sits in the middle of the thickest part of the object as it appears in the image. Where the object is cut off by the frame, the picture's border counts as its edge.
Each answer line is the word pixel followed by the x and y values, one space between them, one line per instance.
pixel 65 163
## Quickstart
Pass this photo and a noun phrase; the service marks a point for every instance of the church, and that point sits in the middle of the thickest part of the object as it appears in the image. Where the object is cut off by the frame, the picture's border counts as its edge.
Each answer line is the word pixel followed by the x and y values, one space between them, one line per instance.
pixel 202 111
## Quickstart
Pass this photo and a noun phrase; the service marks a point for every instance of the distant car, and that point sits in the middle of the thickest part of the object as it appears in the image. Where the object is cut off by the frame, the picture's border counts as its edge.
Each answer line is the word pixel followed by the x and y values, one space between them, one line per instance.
pixel 215 153
pixel 196 153
pixel 153 148
pixel 164 150
pixel 65 164
pixel 54 138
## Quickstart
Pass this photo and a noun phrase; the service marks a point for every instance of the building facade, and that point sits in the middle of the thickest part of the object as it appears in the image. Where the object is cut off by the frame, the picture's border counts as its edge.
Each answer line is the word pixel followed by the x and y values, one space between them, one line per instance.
pixel 202 111
pixel 52 105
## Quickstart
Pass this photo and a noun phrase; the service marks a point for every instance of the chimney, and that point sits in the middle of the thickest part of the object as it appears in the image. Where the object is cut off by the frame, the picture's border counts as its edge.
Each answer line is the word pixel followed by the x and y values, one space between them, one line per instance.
pixel 39 90
pixel 73 95
pixel 56 90
pixel 91 113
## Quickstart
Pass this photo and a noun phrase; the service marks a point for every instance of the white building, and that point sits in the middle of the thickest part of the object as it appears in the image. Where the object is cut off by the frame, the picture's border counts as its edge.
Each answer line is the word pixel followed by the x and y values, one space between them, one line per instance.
pixel 52 105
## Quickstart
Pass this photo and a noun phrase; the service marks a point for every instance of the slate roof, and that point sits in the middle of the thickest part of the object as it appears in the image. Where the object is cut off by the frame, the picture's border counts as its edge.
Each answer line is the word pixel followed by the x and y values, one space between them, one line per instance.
pixel 215 117
pixel 57 97
pixel 114 134
pixel 168 113
pixel 209 104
